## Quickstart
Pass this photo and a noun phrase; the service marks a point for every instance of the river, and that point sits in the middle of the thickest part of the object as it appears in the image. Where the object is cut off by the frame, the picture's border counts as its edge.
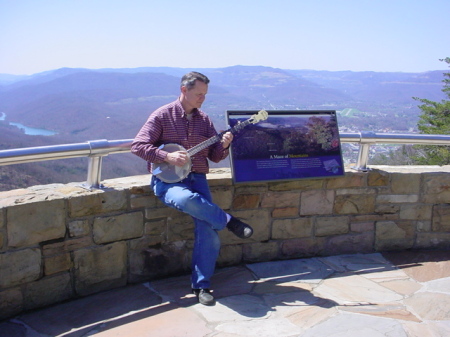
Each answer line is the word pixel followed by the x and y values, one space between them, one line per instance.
pixel 27 130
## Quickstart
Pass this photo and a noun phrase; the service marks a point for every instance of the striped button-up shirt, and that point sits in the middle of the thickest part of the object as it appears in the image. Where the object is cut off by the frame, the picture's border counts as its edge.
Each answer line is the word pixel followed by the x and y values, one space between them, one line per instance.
pixel 169 124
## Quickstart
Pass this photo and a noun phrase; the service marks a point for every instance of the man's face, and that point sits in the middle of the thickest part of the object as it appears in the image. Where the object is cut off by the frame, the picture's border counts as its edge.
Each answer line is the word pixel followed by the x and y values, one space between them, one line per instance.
pixel 195 97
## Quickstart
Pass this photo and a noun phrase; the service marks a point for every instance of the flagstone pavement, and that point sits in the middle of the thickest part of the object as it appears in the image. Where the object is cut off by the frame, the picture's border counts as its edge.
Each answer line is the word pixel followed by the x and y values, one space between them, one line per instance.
pixel 392 294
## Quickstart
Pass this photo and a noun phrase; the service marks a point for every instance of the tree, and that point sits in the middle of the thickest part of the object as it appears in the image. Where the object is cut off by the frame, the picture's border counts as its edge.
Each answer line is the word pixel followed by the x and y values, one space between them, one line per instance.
pixel 435 119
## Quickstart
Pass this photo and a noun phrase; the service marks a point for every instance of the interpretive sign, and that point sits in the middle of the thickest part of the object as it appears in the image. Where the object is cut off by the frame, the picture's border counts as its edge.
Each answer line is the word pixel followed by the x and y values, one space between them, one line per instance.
pixel 289 145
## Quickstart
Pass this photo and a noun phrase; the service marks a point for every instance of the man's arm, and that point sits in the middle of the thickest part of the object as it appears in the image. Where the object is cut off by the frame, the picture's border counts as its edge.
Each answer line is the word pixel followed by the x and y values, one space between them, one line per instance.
pixel 144 142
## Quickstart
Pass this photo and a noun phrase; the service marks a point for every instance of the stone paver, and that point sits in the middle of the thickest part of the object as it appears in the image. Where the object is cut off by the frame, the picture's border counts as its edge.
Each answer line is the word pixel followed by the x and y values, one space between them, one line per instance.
pixel 305 270
pixel 350 289
pixel 403 294
pixel 172 321
pixel 430 306
pixel 354 325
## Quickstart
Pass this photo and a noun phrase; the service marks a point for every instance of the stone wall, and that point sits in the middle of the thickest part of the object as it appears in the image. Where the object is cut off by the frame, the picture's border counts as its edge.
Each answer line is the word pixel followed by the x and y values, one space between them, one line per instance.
pixel 61 241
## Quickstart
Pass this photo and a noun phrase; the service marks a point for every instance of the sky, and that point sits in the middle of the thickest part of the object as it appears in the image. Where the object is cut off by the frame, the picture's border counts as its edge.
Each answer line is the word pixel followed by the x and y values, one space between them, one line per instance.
pixel 334 35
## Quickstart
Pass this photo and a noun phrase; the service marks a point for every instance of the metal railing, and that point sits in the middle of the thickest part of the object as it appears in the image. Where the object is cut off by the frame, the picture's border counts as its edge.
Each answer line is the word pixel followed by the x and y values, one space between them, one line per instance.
pixel 368 138
pixel 97 149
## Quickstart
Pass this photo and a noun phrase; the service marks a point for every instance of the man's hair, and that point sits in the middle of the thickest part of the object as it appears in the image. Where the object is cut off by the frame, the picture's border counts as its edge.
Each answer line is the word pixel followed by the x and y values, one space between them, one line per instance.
pixel 189 79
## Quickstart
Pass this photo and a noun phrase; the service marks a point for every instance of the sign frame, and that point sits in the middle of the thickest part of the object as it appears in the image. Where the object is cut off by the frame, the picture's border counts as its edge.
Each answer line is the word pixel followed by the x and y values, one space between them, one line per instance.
pixel 289 145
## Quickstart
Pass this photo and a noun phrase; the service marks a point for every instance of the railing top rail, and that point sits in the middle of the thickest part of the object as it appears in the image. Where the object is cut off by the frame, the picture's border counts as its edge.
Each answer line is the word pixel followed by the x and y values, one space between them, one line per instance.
pixel 367 137
pixel 64 151
pixel 96 149
pixel 104 147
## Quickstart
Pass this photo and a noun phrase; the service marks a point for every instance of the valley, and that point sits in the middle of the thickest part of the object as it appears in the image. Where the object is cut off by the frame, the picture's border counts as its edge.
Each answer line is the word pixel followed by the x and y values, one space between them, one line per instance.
pixel 82 104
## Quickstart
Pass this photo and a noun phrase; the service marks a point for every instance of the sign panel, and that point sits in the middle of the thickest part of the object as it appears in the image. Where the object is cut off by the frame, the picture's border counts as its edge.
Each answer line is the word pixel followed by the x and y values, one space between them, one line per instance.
pixel 289 145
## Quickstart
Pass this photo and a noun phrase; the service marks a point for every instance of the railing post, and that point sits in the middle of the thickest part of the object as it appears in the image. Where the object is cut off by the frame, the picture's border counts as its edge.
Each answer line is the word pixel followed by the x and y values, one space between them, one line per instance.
pixel 363 158
pixel 364 150
pixel 99 149
pixel 94 173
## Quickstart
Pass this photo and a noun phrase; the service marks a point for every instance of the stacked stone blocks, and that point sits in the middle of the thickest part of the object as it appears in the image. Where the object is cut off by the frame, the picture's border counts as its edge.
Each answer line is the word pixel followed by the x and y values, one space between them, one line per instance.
pixel 59 242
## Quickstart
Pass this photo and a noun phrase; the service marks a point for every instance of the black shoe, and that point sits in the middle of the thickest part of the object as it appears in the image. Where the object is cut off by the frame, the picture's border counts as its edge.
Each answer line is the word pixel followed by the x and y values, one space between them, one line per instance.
pixel 239 228
pixel 204 296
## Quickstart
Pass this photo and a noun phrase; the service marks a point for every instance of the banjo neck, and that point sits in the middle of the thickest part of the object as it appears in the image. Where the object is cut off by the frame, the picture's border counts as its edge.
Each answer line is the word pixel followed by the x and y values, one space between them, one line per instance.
pixel 203 145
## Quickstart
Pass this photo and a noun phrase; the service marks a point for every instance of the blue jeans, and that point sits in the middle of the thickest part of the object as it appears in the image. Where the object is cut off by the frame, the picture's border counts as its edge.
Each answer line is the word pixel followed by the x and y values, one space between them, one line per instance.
pixel 192 196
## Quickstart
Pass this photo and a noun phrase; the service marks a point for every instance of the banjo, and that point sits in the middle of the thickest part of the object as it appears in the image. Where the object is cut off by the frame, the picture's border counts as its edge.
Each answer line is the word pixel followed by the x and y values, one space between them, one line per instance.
pixel 172 173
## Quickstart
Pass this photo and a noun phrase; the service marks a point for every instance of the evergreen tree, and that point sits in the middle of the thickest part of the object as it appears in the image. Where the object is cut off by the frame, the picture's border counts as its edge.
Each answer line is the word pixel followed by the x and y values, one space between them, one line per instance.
pixel 435 119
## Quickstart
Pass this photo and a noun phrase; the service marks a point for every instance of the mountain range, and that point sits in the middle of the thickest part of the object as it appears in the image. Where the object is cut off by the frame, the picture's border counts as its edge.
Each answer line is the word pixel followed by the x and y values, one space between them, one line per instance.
pixel 85 104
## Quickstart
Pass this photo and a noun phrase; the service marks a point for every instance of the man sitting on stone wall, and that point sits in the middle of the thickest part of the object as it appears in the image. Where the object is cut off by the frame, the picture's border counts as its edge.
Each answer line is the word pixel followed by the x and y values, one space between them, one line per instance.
pixel 182 122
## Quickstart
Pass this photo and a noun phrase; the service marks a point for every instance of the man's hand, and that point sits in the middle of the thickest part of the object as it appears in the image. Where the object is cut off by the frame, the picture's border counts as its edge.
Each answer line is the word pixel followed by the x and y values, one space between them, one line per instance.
pixel 227 138
pixel 177 158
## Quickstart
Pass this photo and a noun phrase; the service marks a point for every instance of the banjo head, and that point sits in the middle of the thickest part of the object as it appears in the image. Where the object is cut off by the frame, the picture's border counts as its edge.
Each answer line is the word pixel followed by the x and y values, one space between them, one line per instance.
pixel 171 173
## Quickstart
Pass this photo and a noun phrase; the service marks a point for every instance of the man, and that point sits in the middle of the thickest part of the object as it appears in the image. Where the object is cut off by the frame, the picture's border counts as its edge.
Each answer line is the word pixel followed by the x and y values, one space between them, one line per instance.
pixel 183 122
